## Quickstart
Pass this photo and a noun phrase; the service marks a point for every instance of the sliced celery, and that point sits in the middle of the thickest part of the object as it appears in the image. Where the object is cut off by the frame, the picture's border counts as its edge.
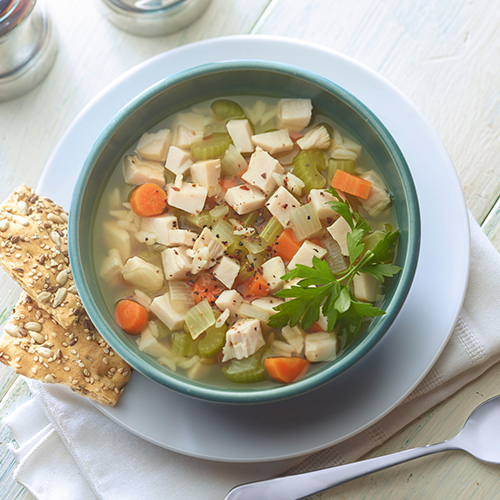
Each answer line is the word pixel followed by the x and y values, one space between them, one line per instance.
pixel 246 272
pixel 254 244
pixel 223 231
pixel 199 318
pixel 346 165
pixel 248 220
pixel 245 371
pixel 256 260
pixel 271 230
pixel 305 221
pixel 214 341
pixel 209 147
pixel 232 163
pixel 204 219
pixel 236 249
pixel 219 212
pixel 306 165
pixel 183 344
pixel 225 109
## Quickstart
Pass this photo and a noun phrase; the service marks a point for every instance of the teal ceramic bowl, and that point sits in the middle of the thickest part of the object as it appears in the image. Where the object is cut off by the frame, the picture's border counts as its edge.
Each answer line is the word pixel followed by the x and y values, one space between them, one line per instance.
pixel 223 79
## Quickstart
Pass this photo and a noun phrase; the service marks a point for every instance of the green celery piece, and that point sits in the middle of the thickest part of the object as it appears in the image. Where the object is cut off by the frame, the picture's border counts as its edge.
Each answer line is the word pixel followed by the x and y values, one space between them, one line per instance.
pixel 213 342
pixel 248 220
pixel 348 166
pixel 204 219
pixel 183 344
pixel 209 147
pixel 236 249
pixel 306 165
pixel 246 272
pixel 271 230
pixel 246 370
pixel 225 109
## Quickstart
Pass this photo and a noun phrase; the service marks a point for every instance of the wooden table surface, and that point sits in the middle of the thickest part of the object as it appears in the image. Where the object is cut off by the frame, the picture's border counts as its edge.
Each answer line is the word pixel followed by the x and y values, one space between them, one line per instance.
pixel 443 54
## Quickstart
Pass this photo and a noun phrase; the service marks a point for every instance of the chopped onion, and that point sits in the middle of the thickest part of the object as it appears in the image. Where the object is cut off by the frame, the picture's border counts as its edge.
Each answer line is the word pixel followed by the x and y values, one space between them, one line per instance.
pixel 334 257
pixel 199 318
pixel 181 296
pixel 305 221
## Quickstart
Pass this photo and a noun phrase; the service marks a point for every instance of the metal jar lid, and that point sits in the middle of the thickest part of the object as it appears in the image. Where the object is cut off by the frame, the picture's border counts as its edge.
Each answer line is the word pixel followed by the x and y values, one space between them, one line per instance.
pixel 27 47
pixel 153 17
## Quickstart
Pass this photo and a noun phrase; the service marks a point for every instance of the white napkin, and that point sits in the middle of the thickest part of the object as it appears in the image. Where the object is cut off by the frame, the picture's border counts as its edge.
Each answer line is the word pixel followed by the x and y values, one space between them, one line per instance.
pixel 68 449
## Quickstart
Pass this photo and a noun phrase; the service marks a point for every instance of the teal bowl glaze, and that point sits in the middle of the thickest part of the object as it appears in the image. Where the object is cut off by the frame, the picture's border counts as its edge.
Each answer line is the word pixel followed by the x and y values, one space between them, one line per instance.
pixel 223 79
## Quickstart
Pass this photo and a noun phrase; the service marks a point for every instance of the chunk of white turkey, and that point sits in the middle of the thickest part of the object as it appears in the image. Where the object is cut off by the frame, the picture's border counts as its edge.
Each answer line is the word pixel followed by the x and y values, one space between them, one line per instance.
pixel 305 254
pixel 157 229
pixel 154 146
pixel 207 251
pixel 243 339
pixel 176 263
pixel 229 299
pixel 280 204
pixel 178 161
pixel 267 304
pixel 365 287
pixel 207 174
pixel 117 237
pixel 319 199
pixel 244 199
pixel 275 142
pixel 294 114
pixel 343 148
pixel 111 265
pixel 272 271
pixel 149 344
pixel 293 184
pixel 321 346
pixel 188 128
pixel 379 198
pixel 137 171
pixel 260 171
pixel 172 317
pixel 339 230
pixel 181 237
pixel 241 135
pixel 142 274
pixel 295 337
pixel 226 271
pixel 189 197
pixel 317 138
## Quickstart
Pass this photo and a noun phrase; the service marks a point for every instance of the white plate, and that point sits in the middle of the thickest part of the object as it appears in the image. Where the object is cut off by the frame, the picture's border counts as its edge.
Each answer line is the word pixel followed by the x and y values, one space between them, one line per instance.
pixel 369 390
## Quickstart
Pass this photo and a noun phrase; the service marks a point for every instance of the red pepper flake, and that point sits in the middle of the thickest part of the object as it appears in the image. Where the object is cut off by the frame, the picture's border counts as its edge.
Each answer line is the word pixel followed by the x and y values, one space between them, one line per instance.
pixel 175 188
pixel 264 175
pixel 246 188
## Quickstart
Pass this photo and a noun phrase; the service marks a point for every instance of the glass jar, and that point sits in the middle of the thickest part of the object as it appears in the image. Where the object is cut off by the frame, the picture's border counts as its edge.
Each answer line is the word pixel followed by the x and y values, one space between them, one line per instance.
pixel 153 17
pixel 27 46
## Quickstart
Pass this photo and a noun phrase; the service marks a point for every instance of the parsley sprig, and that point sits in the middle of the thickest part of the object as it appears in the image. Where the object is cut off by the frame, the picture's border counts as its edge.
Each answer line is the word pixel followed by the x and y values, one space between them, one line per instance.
pixel 321 289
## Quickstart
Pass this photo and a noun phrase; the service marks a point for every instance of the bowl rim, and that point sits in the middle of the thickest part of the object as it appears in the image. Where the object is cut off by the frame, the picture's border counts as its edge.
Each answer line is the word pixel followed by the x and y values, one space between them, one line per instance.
pixel 267 394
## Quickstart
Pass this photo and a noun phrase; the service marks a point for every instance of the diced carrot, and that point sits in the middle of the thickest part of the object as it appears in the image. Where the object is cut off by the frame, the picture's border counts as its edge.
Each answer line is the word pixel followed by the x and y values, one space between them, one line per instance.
pixel 149 200
pixel 286 370
pixel 207 287
pixel 211 202
pixel 351 184
pixel 131 316
pixel 256 286
pixel 286 246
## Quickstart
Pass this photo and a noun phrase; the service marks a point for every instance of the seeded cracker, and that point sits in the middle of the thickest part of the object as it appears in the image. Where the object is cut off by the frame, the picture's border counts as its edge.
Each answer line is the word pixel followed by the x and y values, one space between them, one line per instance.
pixel 39 348
pixel 34 251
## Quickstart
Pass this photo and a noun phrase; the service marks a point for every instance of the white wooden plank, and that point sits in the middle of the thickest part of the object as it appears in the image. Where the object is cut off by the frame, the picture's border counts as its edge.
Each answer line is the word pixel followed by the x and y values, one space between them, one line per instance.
pixel 442 55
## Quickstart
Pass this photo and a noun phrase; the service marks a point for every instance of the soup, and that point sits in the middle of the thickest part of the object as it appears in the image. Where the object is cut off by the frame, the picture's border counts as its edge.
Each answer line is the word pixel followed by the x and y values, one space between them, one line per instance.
pixel 245 240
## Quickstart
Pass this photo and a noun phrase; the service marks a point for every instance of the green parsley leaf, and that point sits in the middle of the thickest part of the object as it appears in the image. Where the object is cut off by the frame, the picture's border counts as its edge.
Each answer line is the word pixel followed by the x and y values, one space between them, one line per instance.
pixel 380 271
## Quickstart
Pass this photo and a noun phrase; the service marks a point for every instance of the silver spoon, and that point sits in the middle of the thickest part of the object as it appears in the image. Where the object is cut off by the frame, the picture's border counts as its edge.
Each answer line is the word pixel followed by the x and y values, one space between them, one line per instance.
pixel 480 437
